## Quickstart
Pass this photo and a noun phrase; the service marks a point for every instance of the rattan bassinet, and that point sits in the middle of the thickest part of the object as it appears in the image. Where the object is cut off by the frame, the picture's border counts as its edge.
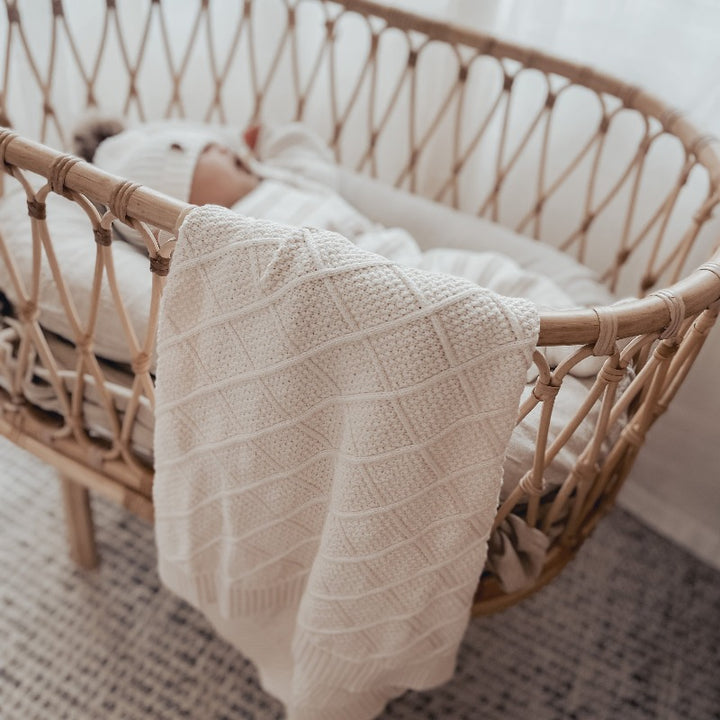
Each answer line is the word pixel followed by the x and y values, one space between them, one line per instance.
pixel 477 123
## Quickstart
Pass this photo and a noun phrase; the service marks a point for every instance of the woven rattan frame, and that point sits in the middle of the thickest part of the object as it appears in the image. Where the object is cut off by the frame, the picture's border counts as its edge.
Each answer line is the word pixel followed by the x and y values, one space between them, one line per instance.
pixel 665 329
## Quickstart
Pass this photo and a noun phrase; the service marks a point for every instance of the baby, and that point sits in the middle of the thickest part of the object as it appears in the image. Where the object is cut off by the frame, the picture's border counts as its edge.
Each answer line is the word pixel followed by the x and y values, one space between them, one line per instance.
pixel 287 175
pixel 283 174
pixel 189 161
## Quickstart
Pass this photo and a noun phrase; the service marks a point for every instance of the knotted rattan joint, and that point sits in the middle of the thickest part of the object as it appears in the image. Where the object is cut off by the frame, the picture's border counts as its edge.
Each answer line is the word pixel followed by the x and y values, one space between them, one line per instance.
pixel 633 436
pixel 623 255
pixel 85 344
pixel 160 265
pixel 37 209
pixel 530 485
pixel 665 350
pixel 463 71
pixel 676 308
pixel 57 8
pixel 6 137
pixel 587 222
pixel 647 282
pixel 702 142
pixel 706 320
pixel 611 374
pixel 584 471
pixel 545 390
pixel 607 331
pixel 75 424
pixel 532 60
pixel 669 118
pixel 59 169
pixel 644 145
pixel 629 95
pixel 28 312
pixel 336 132
pixel 712 267
pixel 584 75
pixel 705 211
pixel 489 46
pixel 120 198
pixel 141 363
pixel 103 236
pixel 13 13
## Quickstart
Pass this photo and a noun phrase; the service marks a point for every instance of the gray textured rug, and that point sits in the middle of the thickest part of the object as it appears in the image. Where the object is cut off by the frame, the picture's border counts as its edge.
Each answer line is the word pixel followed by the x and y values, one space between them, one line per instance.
pixel 630 630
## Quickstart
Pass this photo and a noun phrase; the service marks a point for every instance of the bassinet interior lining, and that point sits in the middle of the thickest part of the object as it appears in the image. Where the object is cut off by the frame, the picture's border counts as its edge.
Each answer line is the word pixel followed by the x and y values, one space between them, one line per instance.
pixel 427 221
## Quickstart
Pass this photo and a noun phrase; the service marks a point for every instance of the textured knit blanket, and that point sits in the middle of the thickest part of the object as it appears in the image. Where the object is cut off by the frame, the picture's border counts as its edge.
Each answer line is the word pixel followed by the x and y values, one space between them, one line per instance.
pixel 330 431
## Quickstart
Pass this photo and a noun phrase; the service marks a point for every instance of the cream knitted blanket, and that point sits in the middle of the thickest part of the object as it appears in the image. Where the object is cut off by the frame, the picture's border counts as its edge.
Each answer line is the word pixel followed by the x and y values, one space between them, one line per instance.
pixel 330 431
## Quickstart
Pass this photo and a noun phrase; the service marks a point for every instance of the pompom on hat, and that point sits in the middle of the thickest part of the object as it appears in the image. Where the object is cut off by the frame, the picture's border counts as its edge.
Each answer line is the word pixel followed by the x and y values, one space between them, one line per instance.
pixel 162 156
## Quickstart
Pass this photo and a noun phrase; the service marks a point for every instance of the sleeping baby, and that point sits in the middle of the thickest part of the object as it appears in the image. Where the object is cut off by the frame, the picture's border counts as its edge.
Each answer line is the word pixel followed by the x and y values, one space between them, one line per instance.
pixel 287 175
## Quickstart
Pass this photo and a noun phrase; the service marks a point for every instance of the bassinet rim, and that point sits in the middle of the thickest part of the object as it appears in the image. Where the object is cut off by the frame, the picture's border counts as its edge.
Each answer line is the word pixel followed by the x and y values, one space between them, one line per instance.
pixel 650 314
pixel 704 146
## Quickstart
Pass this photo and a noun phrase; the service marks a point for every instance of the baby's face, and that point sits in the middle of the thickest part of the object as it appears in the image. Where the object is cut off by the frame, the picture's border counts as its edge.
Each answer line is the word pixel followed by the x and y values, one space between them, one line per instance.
pixel 220 178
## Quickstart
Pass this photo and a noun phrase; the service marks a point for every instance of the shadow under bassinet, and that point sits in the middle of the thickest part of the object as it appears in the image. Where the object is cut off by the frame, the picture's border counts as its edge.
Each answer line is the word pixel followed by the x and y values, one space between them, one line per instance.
pixel 452 95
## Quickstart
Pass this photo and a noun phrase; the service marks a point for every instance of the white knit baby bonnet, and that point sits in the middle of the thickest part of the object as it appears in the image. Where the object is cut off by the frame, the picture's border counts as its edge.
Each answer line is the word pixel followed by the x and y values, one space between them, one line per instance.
pixel 162 156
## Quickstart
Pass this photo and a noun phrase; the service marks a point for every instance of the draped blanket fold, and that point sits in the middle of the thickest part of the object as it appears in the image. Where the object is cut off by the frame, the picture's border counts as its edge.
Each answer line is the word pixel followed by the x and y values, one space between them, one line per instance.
pixel 329 438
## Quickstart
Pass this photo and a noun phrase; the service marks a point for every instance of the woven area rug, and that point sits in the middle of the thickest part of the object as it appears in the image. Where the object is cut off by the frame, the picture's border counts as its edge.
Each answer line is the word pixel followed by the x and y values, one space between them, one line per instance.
pixel 630 630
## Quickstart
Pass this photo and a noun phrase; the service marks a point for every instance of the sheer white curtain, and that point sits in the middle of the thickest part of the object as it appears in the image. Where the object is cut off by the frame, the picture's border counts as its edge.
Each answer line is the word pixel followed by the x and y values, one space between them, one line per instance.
pixel 672 48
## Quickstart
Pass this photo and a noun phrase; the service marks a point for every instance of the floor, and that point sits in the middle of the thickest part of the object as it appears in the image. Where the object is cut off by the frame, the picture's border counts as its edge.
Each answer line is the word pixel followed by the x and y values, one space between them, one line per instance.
pixel 629 630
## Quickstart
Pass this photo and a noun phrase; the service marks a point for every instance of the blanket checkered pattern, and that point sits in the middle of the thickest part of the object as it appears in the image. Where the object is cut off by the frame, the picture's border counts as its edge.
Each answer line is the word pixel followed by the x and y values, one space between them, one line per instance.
pixel 330 431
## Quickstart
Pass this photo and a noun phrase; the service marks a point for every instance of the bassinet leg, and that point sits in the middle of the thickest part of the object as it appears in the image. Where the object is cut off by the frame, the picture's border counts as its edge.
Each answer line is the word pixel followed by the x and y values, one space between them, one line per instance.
pixel 79 523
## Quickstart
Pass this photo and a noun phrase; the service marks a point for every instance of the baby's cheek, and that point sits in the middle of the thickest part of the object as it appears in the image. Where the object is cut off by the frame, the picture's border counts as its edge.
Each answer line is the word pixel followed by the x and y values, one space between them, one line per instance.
pixel 218 182
pixel 205 188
